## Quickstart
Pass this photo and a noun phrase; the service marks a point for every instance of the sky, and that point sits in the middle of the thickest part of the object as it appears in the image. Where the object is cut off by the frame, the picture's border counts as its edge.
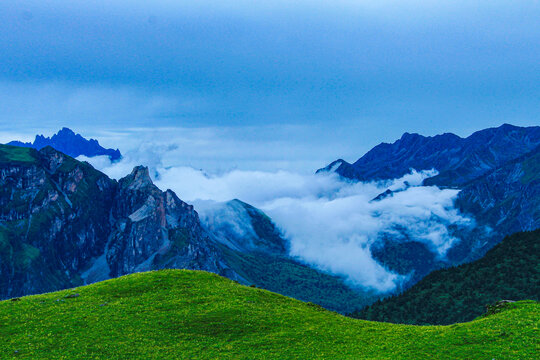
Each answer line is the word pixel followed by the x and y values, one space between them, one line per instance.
pixel 246 99
pixel 265 85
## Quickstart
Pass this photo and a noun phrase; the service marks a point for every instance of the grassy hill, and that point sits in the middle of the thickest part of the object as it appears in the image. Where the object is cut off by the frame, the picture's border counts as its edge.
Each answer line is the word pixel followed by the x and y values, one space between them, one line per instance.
pixel 511 270
pixel 180 314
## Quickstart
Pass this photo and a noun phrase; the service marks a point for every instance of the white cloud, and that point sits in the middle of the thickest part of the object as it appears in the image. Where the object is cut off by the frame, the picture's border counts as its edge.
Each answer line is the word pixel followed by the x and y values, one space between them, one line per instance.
pixel 330 223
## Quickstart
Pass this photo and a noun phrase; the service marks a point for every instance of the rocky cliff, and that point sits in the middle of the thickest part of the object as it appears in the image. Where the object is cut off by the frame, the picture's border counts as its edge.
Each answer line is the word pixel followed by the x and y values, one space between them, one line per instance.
pixel 63 224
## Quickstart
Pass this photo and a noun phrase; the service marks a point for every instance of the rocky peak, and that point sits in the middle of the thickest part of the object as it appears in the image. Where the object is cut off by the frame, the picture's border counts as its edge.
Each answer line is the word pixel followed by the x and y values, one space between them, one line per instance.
pixel 138 179
pixel 70 143
pixel 65 132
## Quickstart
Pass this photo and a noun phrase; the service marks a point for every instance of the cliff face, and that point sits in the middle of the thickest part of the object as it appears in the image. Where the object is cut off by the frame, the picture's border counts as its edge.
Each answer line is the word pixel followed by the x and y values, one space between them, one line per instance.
pixel 62 223
pixel 49 230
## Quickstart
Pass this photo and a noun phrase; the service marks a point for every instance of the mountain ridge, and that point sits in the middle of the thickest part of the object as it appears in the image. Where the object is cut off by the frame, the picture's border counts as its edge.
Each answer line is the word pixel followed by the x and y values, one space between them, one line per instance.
pixel 457 159
pixel 63 224
pixel 69 143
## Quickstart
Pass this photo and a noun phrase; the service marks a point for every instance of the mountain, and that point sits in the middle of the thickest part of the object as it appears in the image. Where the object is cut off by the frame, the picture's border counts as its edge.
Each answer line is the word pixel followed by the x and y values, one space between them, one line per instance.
pixel 458 160
pixel 255 249
pixel 64 224
pixel 179 314
pixel 71 144
pixel 505 200
pixel 497 173
pixel 511 270
pixel 517 184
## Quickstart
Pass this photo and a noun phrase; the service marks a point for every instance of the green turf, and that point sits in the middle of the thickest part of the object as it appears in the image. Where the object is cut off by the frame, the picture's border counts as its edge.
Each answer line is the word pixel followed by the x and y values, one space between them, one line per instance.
pixel 510 270
pixel 179 314
pixel 15 154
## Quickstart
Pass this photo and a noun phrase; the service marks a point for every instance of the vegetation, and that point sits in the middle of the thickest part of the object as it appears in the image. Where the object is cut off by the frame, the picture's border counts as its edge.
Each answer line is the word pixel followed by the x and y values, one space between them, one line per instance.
pixel 180 314
pixel 511 270
pixel 288 277
pixel 14 154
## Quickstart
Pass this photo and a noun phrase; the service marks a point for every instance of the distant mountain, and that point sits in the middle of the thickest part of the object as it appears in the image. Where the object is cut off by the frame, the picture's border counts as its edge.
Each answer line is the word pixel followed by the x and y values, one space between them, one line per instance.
pixel 497 172
pixel 506 199
pixel 64 224
pixel 508 271
pixel 71 144
pixel 458 160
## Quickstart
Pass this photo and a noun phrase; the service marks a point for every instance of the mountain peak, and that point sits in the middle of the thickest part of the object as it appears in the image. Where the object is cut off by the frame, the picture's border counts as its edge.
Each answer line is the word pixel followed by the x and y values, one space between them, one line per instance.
pixel 65 131
pixel 458 160
pixel 140 177
pixel 72 144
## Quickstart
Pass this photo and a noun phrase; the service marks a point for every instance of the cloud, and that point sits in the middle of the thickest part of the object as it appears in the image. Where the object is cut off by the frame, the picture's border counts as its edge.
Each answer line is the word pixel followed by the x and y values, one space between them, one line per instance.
pixel 330 223
pixel 367 65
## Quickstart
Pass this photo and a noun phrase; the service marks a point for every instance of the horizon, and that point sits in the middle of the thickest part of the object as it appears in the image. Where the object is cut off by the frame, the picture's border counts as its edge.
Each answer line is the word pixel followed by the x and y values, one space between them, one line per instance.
pixel 271 85
pixel 109 143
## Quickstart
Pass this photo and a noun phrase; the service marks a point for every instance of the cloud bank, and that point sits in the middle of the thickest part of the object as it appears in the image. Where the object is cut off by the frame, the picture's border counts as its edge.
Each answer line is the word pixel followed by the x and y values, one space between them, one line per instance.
pixel 330 223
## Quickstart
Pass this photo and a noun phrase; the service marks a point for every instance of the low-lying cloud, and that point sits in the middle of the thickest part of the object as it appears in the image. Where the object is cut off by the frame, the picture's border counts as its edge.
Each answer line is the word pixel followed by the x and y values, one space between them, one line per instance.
pixel 330 223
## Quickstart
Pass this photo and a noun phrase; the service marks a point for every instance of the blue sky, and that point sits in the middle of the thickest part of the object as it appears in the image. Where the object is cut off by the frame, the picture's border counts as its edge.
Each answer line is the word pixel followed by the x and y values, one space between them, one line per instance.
pixel 271 84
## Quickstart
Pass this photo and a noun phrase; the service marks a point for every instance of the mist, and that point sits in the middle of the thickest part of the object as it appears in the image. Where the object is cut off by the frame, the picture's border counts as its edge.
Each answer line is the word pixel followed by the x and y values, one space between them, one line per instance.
pixel 329 223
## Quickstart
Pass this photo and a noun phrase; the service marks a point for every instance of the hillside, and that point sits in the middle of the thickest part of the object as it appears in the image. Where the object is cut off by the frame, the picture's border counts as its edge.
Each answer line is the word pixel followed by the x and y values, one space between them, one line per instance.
pixel 65 224
pixel 511 270
pixel 189 314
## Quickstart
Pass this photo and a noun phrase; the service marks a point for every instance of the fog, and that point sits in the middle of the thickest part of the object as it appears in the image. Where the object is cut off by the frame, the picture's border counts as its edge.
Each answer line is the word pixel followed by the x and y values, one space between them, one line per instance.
pixel 329 223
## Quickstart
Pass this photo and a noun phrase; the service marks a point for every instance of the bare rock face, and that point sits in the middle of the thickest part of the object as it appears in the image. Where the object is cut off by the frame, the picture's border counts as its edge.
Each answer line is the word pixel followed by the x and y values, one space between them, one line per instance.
pixel 49 231
pixel 63 223
pixel 155 229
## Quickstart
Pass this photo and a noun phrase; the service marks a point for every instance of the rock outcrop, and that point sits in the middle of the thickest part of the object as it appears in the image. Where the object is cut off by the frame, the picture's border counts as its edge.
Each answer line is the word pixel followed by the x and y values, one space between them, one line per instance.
pixel 63 223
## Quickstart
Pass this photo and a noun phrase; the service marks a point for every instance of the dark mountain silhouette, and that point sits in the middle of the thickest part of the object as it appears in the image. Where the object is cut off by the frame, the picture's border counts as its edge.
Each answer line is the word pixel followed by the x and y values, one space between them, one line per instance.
pixel 69 143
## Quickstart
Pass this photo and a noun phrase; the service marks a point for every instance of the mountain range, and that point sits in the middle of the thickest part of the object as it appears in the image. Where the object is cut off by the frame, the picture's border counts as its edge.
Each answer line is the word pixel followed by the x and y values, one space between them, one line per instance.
pixel 496 171
pixel 64 224
pixel 71 144
pixel 457 160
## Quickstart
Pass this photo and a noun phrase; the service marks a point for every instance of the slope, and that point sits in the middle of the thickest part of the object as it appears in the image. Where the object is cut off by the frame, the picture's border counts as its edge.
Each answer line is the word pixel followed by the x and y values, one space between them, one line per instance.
pixel 65 224
pixel 254 247
pixel 177 314
pixel 511 270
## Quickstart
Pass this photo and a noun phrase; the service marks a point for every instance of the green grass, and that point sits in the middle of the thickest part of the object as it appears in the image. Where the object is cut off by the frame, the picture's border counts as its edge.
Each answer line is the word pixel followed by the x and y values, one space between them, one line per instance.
pixel 510 270
pixel 179 314
pixel 10 154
